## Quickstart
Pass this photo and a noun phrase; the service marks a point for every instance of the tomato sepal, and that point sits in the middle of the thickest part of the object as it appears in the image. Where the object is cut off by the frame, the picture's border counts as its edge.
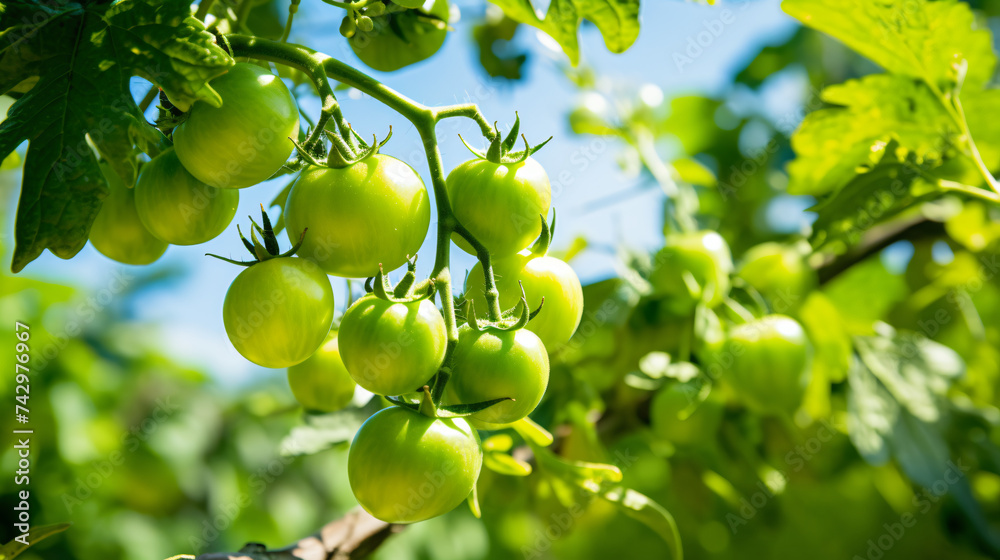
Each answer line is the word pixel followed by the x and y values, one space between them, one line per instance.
pixel 500 150
pixel 541 246
pixel 429 408
pixel 262 251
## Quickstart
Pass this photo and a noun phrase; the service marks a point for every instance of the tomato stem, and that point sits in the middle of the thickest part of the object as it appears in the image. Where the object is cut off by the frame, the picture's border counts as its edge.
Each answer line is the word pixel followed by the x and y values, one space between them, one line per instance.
pixel 320 67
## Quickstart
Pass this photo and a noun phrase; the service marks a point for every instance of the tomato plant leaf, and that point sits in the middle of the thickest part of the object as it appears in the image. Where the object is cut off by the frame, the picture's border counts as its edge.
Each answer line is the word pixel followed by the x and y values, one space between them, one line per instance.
pixel 914 38
pixel 14 548
pixel 915 370
pixel 895 184
pixel 324 431
pixel 497 55
pixel 83 58
pixel 617 20
pixel 831 144
pixel 897 394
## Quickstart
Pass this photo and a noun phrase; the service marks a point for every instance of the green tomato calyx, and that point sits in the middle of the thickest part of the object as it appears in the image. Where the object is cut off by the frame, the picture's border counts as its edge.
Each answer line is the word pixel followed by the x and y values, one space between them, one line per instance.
pixel 512 319
pixel 406 291
pixel 428 407
pixel 541 246
pixel 500 150
pixel 341 153
pixel 262 250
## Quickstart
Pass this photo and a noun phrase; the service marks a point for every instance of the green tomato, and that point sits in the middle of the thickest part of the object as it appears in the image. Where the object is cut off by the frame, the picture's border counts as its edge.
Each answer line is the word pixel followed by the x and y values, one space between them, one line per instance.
pixel 405 467
pixel 375 211
pixel 780 273
pixel 499 203
pixel 117 232
pixel 392 348
pixel 278 312
pixel 692 267
pixel 245 141
pixel 322 382
pixel 767 363
pixel 542 277
pixel 695 430
pixel 176 207
pixel 493 364
pixel 400 38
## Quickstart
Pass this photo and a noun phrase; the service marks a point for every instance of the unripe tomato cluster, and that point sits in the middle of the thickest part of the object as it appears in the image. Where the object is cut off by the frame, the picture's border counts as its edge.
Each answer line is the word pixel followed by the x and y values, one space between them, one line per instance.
pixel 359 216
pixel 764 361
pixel 188 194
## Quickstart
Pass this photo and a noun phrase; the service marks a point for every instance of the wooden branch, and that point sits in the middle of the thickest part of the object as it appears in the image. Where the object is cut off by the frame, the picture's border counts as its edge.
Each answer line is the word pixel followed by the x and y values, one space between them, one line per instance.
pixel 879 238
pixel 354 536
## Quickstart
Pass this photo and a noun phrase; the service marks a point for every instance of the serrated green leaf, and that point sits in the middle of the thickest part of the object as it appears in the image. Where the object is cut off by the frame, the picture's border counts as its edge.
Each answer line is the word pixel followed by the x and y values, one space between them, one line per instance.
pixel 14 548
pixel 897 408
pixel 915 38
pixel 831 144
pixel 83 59
pixel 893 186
pixel 617 20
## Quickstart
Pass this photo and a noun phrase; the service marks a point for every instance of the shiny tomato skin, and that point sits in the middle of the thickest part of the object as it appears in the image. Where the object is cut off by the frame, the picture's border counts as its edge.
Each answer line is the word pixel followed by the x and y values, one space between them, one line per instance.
pixel 405 467
pixel 178 208
pixel 321 382
pixel 768 363
pixel 542 277
pixel 278 312
pixel 500 204
pixel 493 364
pixel 246 140
pixel 392 348
pixel 384 50
pixel 117 231
pixel 706 255
pixel 375 211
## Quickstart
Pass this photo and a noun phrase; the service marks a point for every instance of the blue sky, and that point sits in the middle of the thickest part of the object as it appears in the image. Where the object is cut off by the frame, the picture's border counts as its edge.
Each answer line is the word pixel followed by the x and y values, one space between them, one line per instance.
pixel 188 310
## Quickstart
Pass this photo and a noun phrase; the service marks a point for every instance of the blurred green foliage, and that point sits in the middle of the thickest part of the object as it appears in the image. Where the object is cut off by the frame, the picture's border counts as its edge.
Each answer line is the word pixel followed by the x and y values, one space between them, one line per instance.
pixel 895 452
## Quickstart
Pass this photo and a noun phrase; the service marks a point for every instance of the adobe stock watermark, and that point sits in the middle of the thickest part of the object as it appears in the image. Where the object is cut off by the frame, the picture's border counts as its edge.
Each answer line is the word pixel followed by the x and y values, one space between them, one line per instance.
pixel 795 460
pixel 101 471
pixel 590 324
pixel 757 158
pixel 696 44
pixel 253 318
pixel 559 524
pixel 922 501
pixel 258 481
pixel 84 313
pixel 961 296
